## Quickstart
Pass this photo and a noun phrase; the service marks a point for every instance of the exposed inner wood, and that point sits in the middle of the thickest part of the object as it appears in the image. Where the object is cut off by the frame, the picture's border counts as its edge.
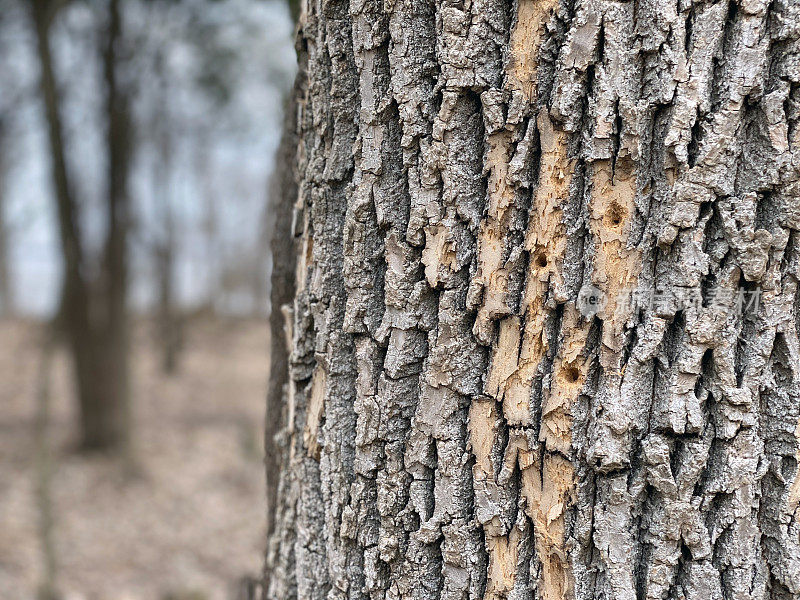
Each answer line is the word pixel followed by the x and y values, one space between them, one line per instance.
pixel 316 407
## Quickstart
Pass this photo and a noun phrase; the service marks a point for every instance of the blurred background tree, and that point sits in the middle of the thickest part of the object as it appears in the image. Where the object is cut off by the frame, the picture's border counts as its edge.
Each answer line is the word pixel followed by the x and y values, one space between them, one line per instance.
pixel 138 176
pixel 137 140
pixel 93 312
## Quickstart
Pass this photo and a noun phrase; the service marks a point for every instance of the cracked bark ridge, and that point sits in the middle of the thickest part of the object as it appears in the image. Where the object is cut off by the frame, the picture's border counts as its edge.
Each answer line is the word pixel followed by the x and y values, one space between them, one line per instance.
pixel 458 424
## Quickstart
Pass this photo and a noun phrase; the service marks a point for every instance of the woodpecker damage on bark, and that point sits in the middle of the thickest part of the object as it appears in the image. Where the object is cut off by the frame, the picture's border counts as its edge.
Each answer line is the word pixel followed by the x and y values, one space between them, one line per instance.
pixel 545 330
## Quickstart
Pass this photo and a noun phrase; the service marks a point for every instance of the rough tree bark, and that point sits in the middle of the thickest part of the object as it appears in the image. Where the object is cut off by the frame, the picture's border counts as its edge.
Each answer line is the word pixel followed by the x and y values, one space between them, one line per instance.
pixel 521 367
pixel 282 194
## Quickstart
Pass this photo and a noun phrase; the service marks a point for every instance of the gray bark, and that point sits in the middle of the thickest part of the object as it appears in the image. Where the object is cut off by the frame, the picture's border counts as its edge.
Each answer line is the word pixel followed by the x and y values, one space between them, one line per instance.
pixel 282 196
pixel 462 421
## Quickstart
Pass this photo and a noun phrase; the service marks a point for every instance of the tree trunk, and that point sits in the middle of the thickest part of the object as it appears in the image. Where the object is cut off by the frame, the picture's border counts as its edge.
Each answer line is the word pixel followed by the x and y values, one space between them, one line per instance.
pixel 113 331
pixel 6 289
pixel 165 246
pixel 97 338
pixel 75 295
pixel 169 333
pixel 545 333
pixel 282 196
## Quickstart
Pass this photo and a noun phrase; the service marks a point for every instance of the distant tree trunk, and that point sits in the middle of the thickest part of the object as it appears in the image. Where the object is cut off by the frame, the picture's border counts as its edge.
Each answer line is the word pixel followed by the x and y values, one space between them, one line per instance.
pixel 211 224
pixel 96 337
pixel 169 324
pixel 114 329
pixel 74 309
pixel 545 333
pixel 6 290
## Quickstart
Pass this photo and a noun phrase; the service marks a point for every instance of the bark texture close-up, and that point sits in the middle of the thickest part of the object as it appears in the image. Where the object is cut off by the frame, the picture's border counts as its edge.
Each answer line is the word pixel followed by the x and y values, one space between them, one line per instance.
pixel 544 338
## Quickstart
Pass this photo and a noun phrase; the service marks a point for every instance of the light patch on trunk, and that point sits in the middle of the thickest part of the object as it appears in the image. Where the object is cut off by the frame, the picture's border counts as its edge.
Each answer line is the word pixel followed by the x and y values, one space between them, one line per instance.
pixel 288 331
pixel 548 483
pixel 316 406
pixel 794 491
pixel 548 479
pixel 569 375
pixel 503 548
pixel 305 258
pixel 503 554
pixel 505 357
pixel 516 356
pixel 616 267
pixel 514 360
pixel 483 427
pixel 491 274
pixel 546 238
pixel 525 42
pixel 438 251
pixel 521 80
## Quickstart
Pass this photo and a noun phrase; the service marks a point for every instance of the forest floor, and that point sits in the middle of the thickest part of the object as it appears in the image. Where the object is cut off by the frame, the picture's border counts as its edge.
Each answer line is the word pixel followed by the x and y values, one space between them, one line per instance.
pixel 188 521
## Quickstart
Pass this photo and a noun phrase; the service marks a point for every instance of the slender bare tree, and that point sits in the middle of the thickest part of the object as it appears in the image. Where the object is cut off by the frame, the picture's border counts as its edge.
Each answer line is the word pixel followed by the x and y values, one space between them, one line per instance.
pixel 6 289
pixel 165 245
pixel 92 313
pixel 113 327
pixel 545 329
